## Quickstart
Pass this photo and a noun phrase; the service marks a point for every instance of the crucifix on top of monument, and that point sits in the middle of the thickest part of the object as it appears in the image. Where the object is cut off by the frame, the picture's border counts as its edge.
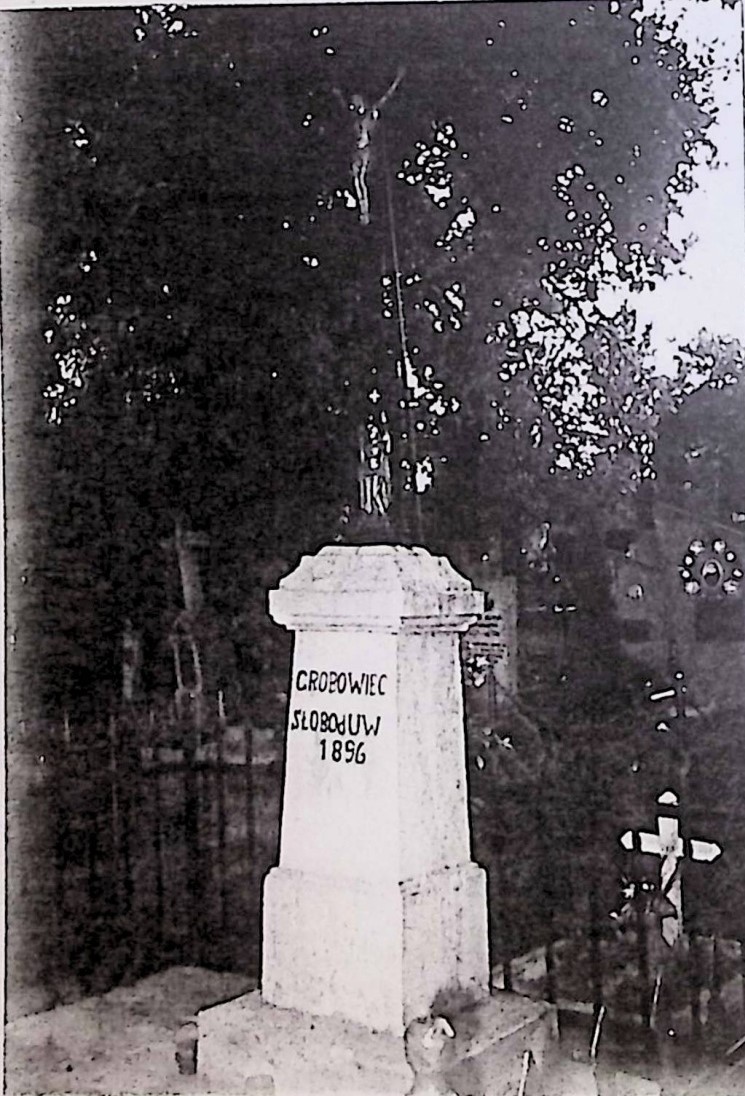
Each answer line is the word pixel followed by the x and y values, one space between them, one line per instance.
pixel 366 118
pixel 672 848
pixel 371 520
pixel 374 470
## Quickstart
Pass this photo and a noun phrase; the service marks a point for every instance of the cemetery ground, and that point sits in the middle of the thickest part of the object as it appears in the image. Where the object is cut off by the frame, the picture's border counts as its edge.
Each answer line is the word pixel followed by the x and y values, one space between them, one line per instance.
pixel 150 849
pixel 125 1040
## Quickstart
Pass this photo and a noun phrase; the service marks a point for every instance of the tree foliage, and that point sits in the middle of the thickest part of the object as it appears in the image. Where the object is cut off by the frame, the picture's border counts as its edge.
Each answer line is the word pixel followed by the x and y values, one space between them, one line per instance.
pixel 219 323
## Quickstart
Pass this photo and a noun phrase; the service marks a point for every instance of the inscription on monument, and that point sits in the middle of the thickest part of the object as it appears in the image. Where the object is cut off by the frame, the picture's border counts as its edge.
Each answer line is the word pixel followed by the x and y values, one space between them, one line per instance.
pixel 343 724
pixel 339 681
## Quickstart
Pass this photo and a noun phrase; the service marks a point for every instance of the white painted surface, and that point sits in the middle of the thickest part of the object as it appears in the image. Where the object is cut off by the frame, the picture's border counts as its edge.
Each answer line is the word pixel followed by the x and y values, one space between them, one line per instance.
pixel 375 906
pixel 339 811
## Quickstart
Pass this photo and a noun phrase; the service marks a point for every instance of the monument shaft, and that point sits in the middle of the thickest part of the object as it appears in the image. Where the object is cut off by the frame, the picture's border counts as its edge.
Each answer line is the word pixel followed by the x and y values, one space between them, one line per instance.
pixel 375 907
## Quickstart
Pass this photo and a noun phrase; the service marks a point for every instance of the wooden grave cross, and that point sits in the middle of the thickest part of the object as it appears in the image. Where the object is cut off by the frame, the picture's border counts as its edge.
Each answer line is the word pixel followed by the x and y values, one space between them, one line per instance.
pixel 668 844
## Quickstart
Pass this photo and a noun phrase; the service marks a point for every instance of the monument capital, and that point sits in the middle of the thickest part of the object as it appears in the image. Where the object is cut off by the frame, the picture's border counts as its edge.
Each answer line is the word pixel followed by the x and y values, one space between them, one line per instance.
pixel 382 588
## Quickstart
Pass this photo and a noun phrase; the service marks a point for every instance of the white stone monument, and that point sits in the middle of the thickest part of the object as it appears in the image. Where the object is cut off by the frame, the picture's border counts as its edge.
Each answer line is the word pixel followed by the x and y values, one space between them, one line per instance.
pixel 375 914
pixel 375 906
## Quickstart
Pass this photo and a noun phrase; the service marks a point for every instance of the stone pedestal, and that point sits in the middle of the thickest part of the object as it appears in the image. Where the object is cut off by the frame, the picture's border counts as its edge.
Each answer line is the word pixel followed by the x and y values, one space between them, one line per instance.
pixel 247 1046
pixel 495 636
pixel 375 906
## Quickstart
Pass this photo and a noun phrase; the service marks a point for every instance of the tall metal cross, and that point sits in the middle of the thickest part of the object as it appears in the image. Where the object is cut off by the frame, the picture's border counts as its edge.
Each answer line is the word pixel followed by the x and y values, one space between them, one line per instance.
pixel 668 844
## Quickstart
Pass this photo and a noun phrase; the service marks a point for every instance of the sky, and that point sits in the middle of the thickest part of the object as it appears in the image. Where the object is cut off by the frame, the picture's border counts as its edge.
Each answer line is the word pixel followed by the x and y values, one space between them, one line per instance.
pixel 708 290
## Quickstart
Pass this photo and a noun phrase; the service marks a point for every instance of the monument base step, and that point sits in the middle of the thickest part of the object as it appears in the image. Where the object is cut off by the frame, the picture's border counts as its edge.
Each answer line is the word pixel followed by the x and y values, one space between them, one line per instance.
pixel 492 1042
pixel 246 1041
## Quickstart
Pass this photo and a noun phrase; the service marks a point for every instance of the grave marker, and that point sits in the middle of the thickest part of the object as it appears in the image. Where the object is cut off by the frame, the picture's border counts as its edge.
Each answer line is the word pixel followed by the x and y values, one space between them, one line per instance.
pixel 668 844
pixel 375 906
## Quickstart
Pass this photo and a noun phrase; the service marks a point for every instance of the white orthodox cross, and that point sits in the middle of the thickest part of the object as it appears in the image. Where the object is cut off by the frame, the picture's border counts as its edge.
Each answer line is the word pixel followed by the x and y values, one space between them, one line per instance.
pixel 670 847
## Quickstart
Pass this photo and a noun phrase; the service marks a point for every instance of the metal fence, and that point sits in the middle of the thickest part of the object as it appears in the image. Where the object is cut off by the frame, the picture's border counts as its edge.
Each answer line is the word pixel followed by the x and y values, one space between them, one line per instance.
pixel 137 846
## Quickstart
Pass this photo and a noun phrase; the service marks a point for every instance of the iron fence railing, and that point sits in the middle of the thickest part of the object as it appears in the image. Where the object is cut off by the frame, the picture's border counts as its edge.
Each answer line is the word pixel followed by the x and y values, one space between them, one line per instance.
pixel 139 846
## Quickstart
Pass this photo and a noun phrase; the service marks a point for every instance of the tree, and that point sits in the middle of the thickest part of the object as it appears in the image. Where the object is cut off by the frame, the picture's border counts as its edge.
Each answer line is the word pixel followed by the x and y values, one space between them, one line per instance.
pixel 210 249
pixel 570 189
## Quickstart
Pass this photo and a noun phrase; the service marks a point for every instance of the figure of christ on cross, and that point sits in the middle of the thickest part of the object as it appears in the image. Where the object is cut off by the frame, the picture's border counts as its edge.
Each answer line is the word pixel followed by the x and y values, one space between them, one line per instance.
pixel 668 844
pixel 374 469
pixel 366 118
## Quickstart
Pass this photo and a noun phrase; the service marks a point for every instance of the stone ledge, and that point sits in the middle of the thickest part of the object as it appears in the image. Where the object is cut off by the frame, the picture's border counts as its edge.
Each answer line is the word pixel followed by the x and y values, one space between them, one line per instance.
pixel 308 1055
pixel 491 1039
pixel 305 1055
